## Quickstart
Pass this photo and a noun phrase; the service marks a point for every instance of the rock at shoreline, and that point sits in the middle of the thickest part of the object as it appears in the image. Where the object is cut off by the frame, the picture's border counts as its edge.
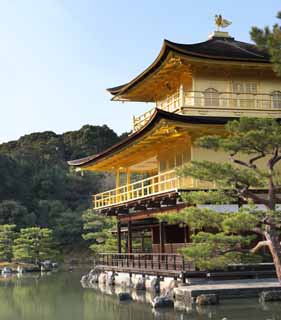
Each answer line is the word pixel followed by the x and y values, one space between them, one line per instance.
pixel 274 295
pixel 91 278
pixel 7 270
pixel 155 285
pixel 140 285
pixel 124 296
pixel 207 299
pixel 162 302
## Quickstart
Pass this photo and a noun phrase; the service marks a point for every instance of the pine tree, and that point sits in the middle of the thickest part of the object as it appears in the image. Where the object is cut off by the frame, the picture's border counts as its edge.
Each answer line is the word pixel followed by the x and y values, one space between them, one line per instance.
pixel 7 236
pixel 34 245
pixel 270 39
pixel 223 238
pixel 98 231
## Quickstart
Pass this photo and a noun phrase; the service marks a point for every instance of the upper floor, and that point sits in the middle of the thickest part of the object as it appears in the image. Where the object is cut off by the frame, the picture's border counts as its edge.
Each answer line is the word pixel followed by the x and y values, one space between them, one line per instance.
pixel 220 77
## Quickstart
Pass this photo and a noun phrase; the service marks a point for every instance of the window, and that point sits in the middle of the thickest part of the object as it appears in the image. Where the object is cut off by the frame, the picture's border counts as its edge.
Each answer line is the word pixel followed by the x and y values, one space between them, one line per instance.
pixel 245 94
pixel 276 99
pixel 244 87
pixel 211 97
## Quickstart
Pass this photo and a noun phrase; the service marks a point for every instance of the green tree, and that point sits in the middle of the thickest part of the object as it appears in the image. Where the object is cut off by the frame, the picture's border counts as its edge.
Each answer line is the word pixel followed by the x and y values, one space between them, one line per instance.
pixel 34 245
pixel 12 212
pixel 270 39
pixel 98 232
pixel 37 187
pixel 7 237
pixel 254 148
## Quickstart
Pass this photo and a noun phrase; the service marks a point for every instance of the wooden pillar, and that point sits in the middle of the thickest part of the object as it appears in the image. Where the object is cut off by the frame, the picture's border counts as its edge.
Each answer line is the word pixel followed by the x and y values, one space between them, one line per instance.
pixel 117 172
pixel 130 242
pixel 185 230
pixel 119 247
pixel 162 236
pixel 181 98
pixel 128 183
pixel 142 242
pixel 117 185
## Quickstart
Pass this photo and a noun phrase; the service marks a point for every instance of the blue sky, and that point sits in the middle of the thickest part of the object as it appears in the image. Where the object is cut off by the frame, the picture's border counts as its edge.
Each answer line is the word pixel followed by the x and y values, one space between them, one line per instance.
pixel 57 57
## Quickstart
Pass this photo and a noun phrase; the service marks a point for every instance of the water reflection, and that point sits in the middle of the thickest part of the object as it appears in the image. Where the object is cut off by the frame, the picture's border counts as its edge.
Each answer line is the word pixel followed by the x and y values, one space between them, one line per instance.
pixel 61 297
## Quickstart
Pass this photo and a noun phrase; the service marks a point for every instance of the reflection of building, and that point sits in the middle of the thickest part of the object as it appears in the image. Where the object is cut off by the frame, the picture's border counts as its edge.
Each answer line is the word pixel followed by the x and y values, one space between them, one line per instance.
pixel 195 89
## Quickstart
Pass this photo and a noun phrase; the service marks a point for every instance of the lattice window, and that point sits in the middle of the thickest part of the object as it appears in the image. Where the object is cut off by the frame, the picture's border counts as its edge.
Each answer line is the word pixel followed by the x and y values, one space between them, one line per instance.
pixel 276 99
pixel 245 92
pixel 211 97
pixel 245 87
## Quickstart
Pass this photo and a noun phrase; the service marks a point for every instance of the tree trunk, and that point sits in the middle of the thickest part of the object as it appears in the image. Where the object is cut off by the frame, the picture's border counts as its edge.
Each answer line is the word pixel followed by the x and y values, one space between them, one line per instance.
pixel 275 249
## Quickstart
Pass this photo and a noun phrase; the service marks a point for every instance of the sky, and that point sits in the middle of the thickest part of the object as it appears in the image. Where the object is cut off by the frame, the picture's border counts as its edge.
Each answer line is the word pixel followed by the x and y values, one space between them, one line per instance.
pixel 57 57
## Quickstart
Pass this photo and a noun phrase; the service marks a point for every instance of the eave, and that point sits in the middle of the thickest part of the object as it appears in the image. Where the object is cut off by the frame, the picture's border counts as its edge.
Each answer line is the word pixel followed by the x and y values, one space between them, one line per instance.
pixel 170 48
pixel 157 117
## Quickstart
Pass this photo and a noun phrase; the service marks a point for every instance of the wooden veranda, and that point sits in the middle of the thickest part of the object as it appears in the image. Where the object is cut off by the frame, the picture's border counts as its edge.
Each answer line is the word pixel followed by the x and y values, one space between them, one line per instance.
pixel 144 263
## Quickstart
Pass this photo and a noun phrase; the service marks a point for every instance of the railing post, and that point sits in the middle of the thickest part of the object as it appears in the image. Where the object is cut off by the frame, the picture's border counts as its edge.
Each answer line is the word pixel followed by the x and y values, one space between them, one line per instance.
pixel 145 262
pixel 183 263
pixel 119 247
pixel 130 249
pixel 181 98
pixel 128 196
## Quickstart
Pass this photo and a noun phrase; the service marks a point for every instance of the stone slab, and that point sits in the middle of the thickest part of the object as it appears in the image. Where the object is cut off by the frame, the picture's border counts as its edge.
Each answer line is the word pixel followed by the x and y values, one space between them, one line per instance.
pixel 226 289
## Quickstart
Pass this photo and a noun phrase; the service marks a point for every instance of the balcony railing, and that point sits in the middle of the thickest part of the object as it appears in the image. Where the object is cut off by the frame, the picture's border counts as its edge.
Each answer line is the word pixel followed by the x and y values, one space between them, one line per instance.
pixel 192 102
pixel 160 183
pixel 144 262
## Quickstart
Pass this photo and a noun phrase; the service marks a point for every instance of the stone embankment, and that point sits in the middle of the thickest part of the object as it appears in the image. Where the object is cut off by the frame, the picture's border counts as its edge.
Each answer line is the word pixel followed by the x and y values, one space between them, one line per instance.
pixel 168 292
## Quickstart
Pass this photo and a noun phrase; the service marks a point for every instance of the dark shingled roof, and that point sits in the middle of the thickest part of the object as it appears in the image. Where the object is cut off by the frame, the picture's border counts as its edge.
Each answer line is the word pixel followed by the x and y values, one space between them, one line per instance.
pixel 217 48
pixel 155 118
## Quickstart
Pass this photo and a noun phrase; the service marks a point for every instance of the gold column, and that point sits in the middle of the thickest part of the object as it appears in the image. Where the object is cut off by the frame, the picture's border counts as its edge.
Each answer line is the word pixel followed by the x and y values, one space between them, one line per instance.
pixel 117 172
pixel 128 173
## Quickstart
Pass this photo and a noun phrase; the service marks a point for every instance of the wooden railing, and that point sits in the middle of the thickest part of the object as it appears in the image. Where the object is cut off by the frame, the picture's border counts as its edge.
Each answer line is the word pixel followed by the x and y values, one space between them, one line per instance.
pixel 144 262
pixel 186 102
pixel 140 121
pixel 160 183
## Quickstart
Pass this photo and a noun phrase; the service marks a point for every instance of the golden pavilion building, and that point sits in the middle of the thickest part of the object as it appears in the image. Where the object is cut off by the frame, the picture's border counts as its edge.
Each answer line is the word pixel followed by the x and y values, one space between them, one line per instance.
pixel 195 90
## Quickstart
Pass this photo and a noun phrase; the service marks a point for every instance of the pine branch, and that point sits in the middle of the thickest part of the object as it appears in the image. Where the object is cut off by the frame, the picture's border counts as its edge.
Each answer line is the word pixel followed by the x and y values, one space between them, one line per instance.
pixel 246 193
pixel 260 245
pixel 250 164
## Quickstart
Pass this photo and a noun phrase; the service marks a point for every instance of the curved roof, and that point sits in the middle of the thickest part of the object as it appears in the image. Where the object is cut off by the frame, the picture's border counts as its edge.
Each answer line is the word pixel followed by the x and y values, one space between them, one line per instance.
pixel 155 118
pixel 216 48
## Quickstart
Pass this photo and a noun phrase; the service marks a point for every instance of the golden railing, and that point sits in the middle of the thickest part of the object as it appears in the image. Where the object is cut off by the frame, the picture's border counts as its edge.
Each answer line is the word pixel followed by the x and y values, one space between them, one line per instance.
pixel 184 102
pixel 160 183
pixel 238 101
pixel 140 121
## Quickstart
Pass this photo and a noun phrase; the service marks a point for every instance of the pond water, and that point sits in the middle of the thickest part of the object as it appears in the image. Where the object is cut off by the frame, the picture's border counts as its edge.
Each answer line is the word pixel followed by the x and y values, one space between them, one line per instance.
pixel 59 296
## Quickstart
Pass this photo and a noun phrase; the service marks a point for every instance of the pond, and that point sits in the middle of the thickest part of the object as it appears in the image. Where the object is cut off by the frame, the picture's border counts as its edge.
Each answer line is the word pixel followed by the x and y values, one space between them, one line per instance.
pixel 59 296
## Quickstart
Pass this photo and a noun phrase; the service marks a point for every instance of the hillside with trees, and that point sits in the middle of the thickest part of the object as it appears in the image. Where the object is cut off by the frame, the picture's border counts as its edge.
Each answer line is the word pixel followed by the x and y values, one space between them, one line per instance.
pixel 38 189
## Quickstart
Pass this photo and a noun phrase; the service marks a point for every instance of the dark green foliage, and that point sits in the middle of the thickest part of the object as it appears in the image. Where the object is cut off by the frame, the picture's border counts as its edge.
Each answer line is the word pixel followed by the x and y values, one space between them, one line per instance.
pixel 34 245
pixel 98 232
pixel 12 212
pixel 39 189
pixel 10 174
pixel 270 39
pixel 7 237
pixel 88 140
